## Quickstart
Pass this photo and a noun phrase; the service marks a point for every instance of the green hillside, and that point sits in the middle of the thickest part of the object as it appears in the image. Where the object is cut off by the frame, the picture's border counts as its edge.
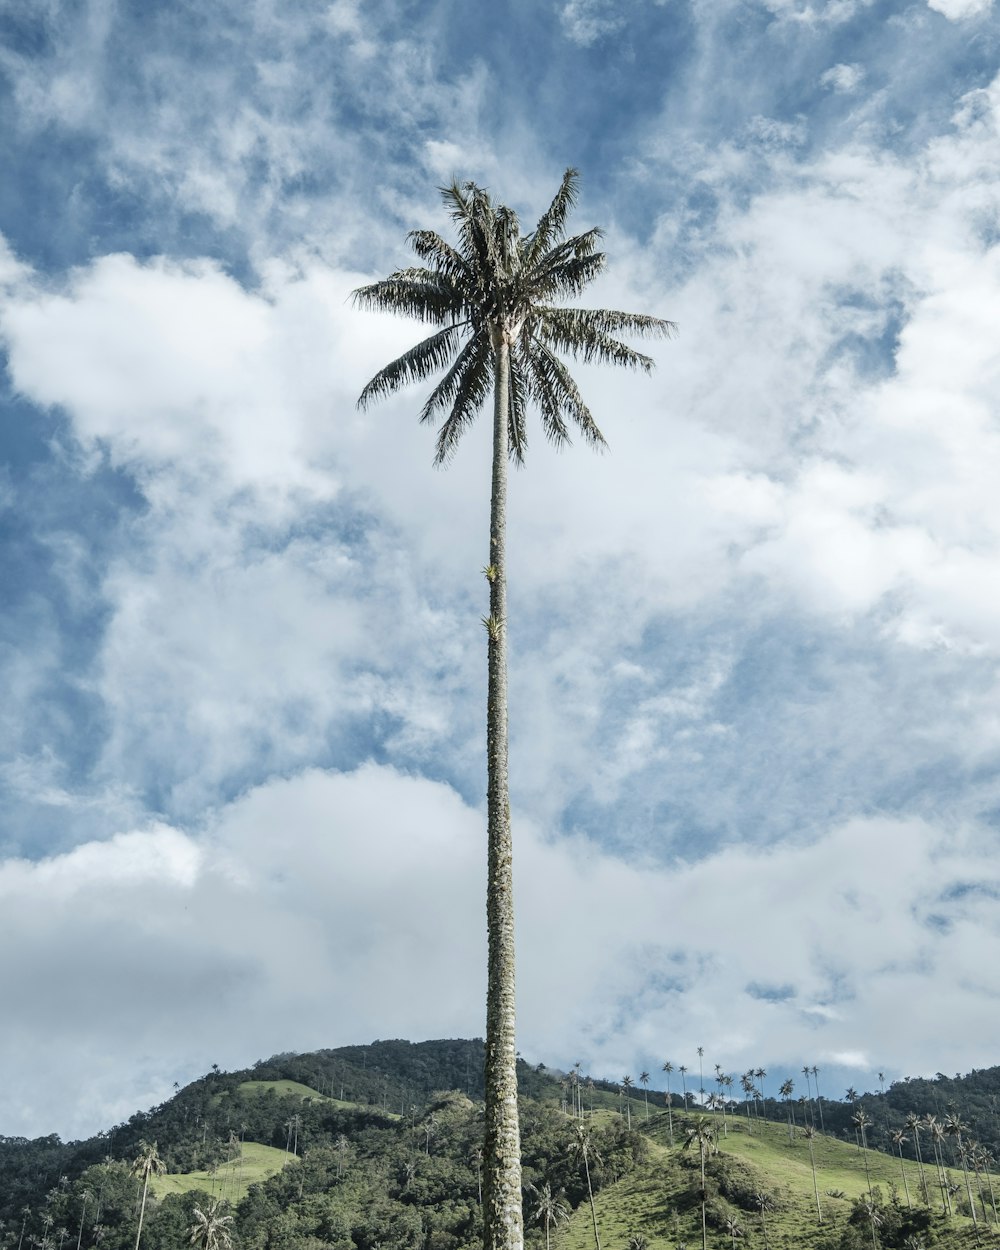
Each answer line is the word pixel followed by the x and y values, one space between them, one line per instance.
pixel 377 1148
pixel 230 1181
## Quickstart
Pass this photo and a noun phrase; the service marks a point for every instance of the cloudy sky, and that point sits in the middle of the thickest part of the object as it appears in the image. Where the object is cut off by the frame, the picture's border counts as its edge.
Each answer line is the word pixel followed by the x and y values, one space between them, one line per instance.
pixel 755 686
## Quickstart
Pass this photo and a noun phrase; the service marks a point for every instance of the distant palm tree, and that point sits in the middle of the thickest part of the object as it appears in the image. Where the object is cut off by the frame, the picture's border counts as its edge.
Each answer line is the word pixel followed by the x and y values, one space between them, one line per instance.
pixel 210 1229
pixel 727 1085
pixel 549 1210
pixel 760 1074
pixel 897 1137
pixel 668 1067
pixel 701 1072
pixel 862 1121
pixel 733 1228
pixel 785 1091
pixel 852 1097
pixel 983 1160
pixel 954 1127
pixel 644 1082
pixel 871 1209
pixel 885 1105
pixel 809 1133
pixel 25 1213
pixel 763 1202
pixel 913 1124
pixel 936 1133
pixel 746 1084
pixel 819 1099
pixel 702 1134
pixel 627 1086
pixel 684 1096
pixel 583 1149
pixel 146 1164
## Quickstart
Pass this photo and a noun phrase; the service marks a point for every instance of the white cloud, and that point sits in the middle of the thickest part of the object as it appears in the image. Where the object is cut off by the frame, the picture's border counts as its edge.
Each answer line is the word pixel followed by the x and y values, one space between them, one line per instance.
pixel 587 21
pixel 958 10
pixel 327 907
pixel 842 77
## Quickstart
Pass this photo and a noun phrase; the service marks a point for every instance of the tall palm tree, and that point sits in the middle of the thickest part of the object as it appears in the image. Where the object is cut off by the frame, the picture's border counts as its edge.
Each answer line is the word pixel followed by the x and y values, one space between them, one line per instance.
pixel 871 1209
pixel 785 1090
pixel 763 1202
pixel 819 1098
pixel 913 1124
pixel 644 1082
pixel 494 302
pixel 862 1121
pixel 549 1209
pixel 684 1088
pixel 146 1164
pixel 746 1084
pixel 583 1149
pixel 852 1097
pixel 702 1134
pixel 936 1133
pixel 809 1133
pixel 668 1067
pixel 897 1137
pixel 701 1072
pixel 627 1086
pixel 210 1229
pixel 954 1127
pixel 760 1074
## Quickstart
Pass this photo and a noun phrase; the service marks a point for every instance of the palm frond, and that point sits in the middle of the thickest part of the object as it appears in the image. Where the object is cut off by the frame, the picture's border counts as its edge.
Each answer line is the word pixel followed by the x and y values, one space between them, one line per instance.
pixel 589 334
pixel 471 391
pixel 584 321
pixel 418 363
pixel 439 254
pixel 563 392
pixel 544 394
pixel 475 357
pixel 552 222
pixel 567 278
pixel 517 401
pixel 419 293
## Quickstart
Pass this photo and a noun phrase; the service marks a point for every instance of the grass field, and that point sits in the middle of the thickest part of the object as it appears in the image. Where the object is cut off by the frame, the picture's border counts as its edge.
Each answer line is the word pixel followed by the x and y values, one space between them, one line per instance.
pixel 656 1203
pixel 231 1180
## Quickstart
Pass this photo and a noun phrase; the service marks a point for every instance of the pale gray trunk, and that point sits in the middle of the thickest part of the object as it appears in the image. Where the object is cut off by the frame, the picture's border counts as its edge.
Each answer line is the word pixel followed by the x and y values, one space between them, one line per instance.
pixel 142 1208
pixel 503 1220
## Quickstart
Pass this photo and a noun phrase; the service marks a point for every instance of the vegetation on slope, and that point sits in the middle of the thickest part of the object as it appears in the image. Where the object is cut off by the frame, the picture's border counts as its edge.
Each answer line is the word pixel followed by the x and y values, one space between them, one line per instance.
pixel 322 1152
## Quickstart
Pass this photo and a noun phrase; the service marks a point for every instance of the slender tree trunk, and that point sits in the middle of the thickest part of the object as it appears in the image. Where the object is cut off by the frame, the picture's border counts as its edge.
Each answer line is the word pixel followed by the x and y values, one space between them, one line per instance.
pixel 902 1172
pixel 812 1160
pixel 142 1209
pixel 503 1222
pixel 593 1209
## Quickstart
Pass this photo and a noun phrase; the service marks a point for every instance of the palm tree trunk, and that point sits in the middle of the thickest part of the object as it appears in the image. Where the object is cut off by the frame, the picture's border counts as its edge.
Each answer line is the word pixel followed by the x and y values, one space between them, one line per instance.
pixel 593 1209
pixel 503 1223
pixel 142 1209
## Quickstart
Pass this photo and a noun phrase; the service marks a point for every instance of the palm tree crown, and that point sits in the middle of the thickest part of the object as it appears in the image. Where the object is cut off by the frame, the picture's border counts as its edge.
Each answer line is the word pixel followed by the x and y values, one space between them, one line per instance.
pixel 499 287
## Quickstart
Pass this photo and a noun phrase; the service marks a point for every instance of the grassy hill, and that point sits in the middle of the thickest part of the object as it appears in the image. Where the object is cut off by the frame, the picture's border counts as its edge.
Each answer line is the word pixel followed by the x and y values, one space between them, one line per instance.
pixel 229 1182
pixel 659 1201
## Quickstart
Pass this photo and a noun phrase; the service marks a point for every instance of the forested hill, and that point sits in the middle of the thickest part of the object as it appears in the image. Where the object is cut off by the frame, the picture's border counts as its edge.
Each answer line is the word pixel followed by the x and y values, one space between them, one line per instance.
pixel 376 1148
pixel 372 1083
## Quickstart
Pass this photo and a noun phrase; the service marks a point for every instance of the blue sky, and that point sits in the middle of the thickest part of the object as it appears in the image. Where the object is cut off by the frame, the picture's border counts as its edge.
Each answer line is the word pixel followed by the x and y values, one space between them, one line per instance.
pixel 755 647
